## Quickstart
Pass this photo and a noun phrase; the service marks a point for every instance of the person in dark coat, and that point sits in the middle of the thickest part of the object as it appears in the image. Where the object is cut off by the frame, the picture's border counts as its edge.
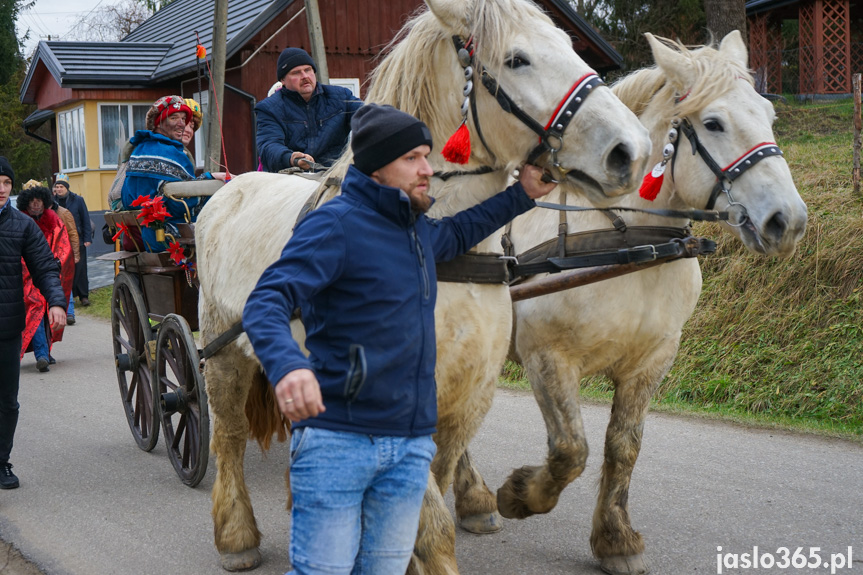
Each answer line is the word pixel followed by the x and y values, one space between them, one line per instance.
pixel 304 122
pixel 363 402
pixel 20 237
pixel 76 204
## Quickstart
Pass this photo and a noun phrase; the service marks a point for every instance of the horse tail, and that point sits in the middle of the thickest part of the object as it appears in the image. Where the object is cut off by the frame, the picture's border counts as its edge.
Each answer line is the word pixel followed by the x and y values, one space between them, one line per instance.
pixel 263 413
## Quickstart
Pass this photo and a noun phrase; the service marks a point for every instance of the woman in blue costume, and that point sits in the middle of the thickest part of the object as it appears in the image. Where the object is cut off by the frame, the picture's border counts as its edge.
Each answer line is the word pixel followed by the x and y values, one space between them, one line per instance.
pixel 158 158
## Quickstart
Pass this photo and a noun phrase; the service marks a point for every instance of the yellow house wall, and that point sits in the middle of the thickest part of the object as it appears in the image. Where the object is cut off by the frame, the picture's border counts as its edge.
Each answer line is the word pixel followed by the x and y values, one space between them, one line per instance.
pixel 92 183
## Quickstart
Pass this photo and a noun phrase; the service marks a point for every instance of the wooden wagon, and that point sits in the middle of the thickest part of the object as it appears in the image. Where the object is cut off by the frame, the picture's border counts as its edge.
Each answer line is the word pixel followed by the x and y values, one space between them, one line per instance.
pixel 154 314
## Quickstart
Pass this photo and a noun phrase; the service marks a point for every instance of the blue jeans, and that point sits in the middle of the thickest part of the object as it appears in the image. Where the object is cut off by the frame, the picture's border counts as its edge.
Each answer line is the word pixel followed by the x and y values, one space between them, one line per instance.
pixel 71 310
pixel 357 500
pixel 40 341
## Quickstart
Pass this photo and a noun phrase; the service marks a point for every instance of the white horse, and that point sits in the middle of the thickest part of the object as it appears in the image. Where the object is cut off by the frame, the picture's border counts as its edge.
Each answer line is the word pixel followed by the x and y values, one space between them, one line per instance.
pixel 522 62
pixel 629 328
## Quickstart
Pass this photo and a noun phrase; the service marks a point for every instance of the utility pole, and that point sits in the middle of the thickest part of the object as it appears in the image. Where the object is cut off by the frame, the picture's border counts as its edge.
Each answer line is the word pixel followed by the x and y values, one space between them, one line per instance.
pixel 217 88
pixel 316 36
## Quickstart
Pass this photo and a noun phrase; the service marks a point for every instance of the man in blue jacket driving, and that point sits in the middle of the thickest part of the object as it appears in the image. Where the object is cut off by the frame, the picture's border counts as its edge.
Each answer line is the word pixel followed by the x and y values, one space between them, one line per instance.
pixel 361 268
pixel 304 122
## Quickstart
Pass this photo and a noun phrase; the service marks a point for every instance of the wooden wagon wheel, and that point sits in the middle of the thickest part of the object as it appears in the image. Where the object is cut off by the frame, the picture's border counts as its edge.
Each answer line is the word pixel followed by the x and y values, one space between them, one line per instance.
pixel 132 336
pixel 178 382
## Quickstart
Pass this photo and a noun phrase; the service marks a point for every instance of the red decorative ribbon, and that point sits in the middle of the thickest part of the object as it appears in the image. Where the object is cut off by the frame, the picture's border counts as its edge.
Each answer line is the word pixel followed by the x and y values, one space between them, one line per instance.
pixel 121 229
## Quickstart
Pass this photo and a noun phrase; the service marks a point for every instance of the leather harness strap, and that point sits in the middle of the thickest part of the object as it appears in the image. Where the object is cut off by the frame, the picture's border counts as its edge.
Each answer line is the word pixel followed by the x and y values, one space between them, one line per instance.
pixel 478 268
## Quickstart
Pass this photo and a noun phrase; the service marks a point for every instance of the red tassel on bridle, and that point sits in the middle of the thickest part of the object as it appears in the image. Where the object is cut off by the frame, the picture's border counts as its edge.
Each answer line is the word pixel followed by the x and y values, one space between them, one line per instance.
pixel 651 184
pixel 457 148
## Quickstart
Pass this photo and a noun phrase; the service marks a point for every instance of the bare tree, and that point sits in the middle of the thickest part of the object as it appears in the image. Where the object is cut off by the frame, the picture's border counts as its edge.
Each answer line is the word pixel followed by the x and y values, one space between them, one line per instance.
pixel 111 23
pixel 724 16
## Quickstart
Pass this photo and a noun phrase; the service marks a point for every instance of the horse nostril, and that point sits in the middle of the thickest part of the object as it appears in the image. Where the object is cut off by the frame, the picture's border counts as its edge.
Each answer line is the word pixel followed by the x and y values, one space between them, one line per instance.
pixel 776 226
pixel 619 162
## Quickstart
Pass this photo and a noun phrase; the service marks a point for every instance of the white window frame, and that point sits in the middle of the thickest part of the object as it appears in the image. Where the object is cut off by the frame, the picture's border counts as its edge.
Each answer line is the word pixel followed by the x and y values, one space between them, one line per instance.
pixel 72 141
pixel 111 163
pixel 201 98
pixel 352 84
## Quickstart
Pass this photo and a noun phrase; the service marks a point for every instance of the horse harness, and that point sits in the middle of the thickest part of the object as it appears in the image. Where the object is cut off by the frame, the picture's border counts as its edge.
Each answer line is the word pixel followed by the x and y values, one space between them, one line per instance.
pixel 724 177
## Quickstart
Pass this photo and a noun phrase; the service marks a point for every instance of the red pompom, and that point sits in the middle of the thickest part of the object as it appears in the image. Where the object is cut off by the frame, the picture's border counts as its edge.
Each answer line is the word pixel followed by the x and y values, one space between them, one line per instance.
pixel 650 186
pixel 457 148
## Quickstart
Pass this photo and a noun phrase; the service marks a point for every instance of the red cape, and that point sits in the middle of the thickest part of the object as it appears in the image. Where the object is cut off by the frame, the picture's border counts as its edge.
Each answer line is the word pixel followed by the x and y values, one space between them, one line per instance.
pixel 58 240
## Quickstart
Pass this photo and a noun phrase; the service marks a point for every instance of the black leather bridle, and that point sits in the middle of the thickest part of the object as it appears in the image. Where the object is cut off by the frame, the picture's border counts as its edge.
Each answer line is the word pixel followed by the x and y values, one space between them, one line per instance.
pixel 550 135
pixel 726 176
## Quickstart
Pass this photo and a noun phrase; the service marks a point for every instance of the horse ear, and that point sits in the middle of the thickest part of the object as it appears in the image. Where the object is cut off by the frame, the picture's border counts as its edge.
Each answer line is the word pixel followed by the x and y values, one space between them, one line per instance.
pixel 733 47
pixel 676 66
pixel 452 13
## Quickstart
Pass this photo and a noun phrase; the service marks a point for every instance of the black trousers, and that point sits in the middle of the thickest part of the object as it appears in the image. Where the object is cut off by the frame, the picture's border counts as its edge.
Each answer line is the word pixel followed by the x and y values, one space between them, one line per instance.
pixel 81 285
pixel 10 369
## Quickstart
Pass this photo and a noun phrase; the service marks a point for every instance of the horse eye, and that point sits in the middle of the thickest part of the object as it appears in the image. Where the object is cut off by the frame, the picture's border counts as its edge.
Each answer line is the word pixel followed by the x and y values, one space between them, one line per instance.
pixel 713 126
pixel 517 62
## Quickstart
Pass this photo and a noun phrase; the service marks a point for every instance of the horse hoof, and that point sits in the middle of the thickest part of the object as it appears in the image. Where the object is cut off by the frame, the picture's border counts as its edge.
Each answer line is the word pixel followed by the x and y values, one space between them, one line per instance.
pixel 624 565
pixel 482 523
pixel 242 561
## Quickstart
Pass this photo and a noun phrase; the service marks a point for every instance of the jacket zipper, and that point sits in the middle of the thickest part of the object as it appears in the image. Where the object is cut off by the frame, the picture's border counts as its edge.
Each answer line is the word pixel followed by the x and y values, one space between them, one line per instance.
pixel 422 261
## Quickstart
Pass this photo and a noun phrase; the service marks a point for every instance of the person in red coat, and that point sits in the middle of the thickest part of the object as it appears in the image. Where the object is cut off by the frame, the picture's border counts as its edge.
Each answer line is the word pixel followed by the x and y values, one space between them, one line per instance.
pixel 38 335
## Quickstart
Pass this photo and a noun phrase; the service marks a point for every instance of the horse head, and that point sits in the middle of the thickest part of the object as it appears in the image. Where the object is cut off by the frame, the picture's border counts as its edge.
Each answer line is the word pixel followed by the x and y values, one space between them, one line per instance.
pixel 505 68
pixel 725 156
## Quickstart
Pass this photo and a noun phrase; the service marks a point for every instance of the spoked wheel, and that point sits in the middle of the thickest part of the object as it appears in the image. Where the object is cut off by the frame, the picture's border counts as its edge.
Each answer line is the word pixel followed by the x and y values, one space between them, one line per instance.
pixel 178 382
pixel 131 334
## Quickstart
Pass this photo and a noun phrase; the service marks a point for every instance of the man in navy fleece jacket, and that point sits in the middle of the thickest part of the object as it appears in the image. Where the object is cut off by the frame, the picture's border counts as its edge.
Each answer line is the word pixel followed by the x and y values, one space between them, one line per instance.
pixel 362 270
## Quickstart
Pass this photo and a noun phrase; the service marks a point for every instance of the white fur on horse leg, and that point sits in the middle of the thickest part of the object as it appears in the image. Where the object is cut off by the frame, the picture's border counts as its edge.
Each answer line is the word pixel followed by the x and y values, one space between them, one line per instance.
pixel 434 550
pixel 619 565
pixel 475 504
pixel 242 561
pixel 535 489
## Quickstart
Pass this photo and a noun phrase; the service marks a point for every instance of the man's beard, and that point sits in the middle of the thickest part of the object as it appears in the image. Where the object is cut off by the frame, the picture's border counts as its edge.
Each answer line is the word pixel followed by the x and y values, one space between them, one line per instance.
pixel 419 204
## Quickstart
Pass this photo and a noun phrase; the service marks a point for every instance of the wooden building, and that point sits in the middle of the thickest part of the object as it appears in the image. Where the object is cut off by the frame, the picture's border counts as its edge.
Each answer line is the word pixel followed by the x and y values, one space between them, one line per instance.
pixel 95 95
pixel 830 44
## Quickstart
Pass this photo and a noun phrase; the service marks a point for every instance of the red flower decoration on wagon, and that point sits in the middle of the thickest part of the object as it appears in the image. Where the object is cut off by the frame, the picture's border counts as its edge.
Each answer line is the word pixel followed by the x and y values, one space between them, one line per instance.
pixel 176 251
pixel 152 211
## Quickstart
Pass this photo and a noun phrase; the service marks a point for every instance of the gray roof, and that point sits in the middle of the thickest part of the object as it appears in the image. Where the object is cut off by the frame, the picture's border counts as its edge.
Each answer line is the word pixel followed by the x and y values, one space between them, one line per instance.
pixel 155 51
pixel 101 61
pixel 245 19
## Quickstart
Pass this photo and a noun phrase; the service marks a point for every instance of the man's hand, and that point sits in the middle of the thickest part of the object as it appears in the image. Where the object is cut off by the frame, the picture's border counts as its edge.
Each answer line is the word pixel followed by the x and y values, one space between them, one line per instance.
pixel 86 244
pixel 57 317
pixel 531 179
pixel 301 160
pixel 299 395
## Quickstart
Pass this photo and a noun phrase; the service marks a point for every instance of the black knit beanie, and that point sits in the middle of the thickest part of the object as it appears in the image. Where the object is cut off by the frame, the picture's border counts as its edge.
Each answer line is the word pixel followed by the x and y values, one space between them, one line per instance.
pixel 381 134
pixel 6 169
pixel 290 58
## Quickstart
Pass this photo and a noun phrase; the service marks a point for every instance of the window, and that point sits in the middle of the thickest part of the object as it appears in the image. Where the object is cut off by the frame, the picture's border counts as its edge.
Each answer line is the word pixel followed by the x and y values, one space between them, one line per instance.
pixel 352 84
pixel 70 128
pixel 118 123
pixel 201 134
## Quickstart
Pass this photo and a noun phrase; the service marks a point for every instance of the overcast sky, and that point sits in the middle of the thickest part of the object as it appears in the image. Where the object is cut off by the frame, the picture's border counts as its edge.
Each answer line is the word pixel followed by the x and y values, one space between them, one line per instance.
pixel 54 18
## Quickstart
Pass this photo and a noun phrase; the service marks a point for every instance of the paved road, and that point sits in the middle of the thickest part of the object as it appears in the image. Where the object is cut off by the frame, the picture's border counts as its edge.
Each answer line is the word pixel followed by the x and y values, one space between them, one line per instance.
pixel 92 503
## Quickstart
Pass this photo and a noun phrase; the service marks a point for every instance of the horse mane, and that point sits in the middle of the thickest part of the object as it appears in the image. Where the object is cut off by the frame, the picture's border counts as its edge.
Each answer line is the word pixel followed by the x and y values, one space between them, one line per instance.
pixel 423 49
pixel 412 75
pixel 713 74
